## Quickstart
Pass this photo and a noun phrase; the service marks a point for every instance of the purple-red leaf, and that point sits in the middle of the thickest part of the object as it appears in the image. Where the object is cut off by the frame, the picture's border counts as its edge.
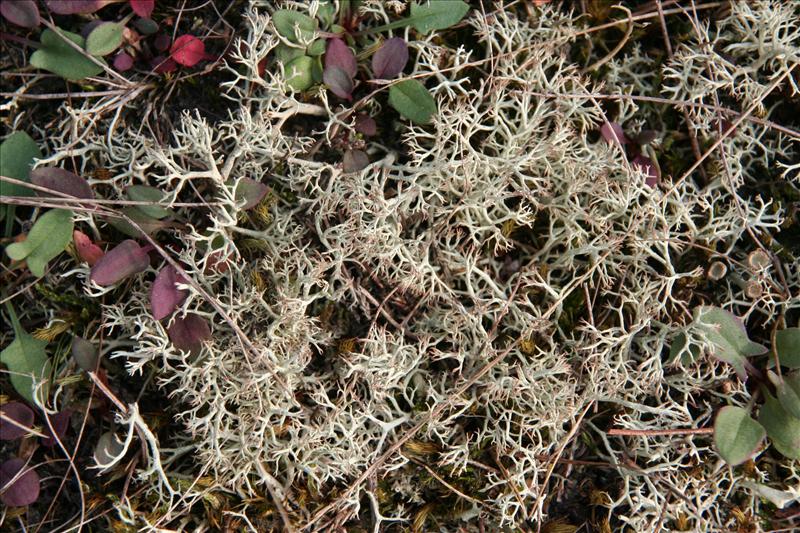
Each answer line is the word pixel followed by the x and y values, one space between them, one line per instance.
pixel 390 59
pixel 21 12
pixel 338 82
pixel 18 412
pixel 645 164
pixel 165 297
pixel 188 50
pixel 123 62
pixel 62 181
pixel 366 125
pixel 19 492
pixel 251 192
pixel 188 333
pixel 163 64
pixel 162 42
pixel 613 133
pixel 125 259
pixel 86 249
pixel 354 160
pixel 143 8
pixel 339 55
pixel 60 423
pixel 77 7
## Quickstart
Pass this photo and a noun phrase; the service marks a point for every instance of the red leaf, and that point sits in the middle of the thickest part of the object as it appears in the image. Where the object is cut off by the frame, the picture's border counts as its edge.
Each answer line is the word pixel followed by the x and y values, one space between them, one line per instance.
pixel 645 164
pixel 188 333
pixel 18 412
pixel 60 423
pixel 612 132
pixel 366 125
pixel 123 62
pixel 62 181
pixel 338 82
pixel 87 250
pixel 251 192
pixel 165 297
pixel 21 12
pixel 24 490
pixel 216 263
pixel 75 7
pixel 143 8
pixel 125 259
pixel 339 55
pixel 187 50
pixel 390 59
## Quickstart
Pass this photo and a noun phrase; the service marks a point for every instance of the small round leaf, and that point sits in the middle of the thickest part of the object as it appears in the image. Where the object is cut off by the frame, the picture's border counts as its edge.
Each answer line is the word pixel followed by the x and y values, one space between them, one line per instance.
pixel 22 491
pixel 736 435
pixel 104 39
pixel 412 100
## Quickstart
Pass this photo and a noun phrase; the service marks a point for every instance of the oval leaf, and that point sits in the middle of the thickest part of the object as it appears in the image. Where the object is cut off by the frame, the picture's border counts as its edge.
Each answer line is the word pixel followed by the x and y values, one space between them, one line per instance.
pixel 87 250
pixel 736 435
pixel 728 337
pixel 17 155
pixel 49 236
pixel 427 17
pixel 19 413
pixel 125 259
pixel 143 193
pixel 338 82
pixel 366 125
pixel 56 56
pixel 165 296
pixel 148 224
pixel 787 346
pixel 143 8
pixel 390 59
pixel 104 39
pixel 413 101
pixel 613 133
pixel 293 25
pixel 21 12
pixel 26 357
pixel 783 429
pixel 62 181
pixel 60 423
pixel 250 192
pixel 22 491
pixel 299 75
pixel 123 62
pixel 147 26
pixel 76 7
pixel 354 161
pixel 339 55
pixel 788 390
pixel 108 450
pixel 85 354
pixel 188 333
pixel 187 50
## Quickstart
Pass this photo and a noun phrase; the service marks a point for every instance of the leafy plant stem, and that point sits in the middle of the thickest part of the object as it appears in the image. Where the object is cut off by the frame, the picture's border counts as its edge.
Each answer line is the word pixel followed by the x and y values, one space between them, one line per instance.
pixel 12 315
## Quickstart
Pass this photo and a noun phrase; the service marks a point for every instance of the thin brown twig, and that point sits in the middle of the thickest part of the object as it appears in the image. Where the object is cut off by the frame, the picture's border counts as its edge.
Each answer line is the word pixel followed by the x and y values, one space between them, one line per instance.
pixel 658 432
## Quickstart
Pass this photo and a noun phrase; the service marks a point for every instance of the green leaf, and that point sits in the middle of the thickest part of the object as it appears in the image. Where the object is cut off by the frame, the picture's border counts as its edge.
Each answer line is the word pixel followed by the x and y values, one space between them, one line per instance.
pixel 295 26
pixel 25 356
pixel 683 349
pixel 143 193
pixel 728 337
pixel 317 48
pixel 104 39
pixel 299 76
pixel 49 237
pixel 736 435
pixel 783 429
pixel 326 13
pixel 17 155
pixel 788 390
pixel 286 53
pixel 787 345
pixel 58 57
pixel 436 15
pixel 149 224
pixel 412 100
